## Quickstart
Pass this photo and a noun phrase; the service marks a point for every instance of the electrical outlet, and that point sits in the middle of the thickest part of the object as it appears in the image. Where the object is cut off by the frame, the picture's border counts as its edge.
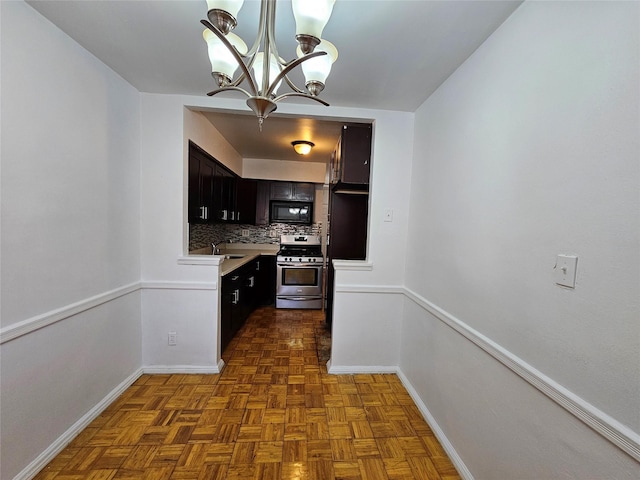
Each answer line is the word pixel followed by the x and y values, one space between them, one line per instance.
pixel 245 233
pixel 173 339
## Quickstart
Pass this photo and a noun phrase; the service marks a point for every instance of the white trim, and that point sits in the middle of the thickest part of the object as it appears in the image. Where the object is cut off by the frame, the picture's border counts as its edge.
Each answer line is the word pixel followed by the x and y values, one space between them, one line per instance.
pixel 354 369
pixel 618 434
pixel 180 285
pixel 352 265
pixel 181 369
pixel 221 365
pixel 32 324
pixel 462 469
pixel 43 320
pixel 63 440
pixel 392 289
pixel 200 260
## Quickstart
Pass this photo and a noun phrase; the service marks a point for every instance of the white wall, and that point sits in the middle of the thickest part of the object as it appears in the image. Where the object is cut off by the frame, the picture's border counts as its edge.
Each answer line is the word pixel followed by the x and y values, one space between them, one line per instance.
pixel 531 149
pixel 367 315
pixel 177 297
pixel 163 208
pixel 70 234
pixel 200 130
pixel 314 172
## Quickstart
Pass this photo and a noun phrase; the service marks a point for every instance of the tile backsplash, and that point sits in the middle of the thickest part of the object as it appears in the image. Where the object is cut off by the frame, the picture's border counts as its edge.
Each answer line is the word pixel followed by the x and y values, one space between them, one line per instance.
pixel 201 236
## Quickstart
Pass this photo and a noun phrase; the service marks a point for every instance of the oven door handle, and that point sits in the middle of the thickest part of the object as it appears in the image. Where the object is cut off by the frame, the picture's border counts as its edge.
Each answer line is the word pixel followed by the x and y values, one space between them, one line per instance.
pixel 319 265
pixel 301 299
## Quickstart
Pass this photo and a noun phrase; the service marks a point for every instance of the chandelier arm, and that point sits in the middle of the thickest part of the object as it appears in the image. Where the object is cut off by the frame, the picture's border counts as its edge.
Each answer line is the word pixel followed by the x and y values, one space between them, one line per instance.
pixel 290 66
pixel 269 47
pixel 227 88
pixel 261 25
pixel 249 64
pixel 271 27
pixel 292 85
pixel 305 95
pixel 234 52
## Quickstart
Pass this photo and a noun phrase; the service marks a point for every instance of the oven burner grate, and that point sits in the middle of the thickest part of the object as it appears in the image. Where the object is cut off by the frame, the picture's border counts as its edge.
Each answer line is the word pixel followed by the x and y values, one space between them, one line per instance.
pixel 300 251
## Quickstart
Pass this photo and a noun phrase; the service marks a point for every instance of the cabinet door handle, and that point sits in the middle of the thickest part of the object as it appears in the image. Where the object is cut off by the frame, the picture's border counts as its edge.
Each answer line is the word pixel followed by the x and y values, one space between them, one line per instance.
pixel 203 214
pixel 257 266
pixel 252 281
pixel 236 297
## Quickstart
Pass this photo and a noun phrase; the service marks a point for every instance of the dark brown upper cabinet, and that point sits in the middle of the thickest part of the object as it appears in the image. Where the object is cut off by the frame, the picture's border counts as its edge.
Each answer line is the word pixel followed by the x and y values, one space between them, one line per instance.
pixel 212 195
pixel 351 159
pixel 263 195
pixel 224 194
pixel 201 178
pixel 246 201
pixel 294 191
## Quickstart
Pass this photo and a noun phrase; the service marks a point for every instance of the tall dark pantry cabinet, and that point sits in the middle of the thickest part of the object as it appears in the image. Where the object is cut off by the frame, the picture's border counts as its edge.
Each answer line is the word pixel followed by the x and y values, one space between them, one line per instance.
pixel 348 202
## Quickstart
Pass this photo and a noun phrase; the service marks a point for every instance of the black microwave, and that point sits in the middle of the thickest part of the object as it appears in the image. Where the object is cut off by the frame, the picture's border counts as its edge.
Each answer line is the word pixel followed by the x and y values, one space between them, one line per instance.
pixel 291 212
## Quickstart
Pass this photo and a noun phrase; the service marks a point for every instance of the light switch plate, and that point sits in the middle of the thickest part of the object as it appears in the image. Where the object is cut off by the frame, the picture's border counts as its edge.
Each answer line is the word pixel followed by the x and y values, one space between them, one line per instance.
pixel 565 270
pixel 388 215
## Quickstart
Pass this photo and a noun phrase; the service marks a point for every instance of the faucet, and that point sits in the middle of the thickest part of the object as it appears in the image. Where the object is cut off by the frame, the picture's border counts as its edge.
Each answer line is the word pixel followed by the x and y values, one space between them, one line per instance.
pixel 215 247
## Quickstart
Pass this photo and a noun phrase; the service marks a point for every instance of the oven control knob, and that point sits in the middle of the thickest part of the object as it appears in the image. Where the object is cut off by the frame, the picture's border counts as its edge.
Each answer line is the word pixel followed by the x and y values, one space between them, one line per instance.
pixel 300 260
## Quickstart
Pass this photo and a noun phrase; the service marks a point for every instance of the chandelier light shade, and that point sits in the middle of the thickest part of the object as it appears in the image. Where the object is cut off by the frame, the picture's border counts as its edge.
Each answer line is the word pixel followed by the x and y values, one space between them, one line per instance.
pixel 227 52
pixel 223 63
pixel 311 18
pixel 274 70
pixel 316 70
pixel 302 147
pixel 223 13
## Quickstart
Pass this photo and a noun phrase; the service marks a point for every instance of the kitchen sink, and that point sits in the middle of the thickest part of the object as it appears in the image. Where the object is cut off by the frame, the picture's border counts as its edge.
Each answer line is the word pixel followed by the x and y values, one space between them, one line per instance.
pixel 235 255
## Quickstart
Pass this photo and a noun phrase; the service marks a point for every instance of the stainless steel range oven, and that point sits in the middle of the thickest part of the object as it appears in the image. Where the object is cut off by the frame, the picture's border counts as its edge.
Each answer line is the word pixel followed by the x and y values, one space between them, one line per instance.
pixel 299 269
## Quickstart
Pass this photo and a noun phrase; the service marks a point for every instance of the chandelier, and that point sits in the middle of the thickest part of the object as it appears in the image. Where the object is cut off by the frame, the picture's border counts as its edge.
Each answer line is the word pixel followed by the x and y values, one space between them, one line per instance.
pixel 227 52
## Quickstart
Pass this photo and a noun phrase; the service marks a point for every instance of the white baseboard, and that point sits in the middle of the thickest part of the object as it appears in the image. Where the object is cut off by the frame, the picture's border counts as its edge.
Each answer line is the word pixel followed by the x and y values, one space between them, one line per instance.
pixel 355 369
pixel 462 469
pixel 181 369
pixel 63 440
pixel 179 285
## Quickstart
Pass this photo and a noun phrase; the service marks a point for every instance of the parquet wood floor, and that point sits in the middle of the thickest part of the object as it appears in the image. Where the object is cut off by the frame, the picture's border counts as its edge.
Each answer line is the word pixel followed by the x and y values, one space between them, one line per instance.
pixel 273 413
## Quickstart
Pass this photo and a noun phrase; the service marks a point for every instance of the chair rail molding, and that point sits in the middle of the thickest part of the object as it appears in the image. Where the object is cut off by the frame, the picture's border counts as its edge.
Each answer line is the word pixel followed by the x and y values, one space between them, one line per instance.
pixel 37 322
pixel 611 429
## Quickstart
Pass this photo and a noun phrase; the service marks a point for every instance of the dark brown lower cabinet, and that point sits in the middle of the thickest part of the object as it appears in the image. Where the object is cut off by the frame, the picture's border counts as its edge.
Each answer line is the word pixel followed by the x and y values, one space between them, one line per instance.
pixel 228 308
pixel 267 280
pixel 243 290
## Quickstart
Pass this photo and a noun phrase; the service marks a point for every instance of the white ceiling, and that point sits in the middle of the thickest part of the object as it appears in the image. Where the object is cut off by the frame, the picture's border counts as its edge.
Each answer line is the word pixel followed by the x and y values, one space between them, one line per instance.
pixel 393 54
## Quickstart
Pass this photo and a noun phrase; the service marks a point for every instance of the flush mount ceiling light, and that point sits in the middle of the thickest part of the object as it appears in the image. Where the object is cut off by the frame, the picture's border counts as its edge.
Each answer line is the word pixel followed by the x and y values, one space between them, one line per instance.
pixel 227 52
pixel 302 147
